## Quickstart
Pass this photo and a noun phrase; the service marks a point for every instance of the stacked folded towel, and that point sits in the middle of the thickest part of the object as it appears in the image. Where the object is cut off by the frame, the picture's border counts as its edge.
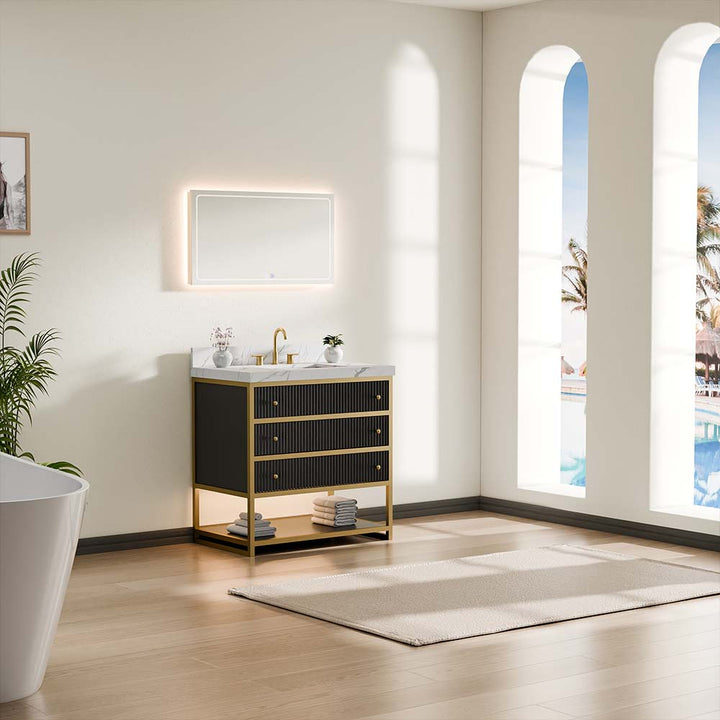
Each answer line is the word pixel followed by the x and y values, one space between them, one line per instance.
pixel 334 510
pixel 263 528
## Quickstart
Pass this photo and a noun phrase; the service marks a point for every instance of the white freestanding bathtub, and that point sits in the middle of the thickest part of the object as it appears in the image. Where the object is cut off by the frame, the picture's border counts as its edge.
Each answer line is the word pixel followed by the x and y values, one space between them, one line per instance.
pixel 41 512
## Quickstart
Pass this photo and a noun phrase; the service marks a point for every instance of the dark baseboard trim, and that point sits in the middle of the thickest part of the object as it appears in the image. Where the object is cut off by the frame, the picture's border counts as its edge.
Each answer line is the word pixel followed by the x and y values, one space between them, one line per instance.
pixel 673 536
pixel 418 509
pixel 132 541
pixel 704 541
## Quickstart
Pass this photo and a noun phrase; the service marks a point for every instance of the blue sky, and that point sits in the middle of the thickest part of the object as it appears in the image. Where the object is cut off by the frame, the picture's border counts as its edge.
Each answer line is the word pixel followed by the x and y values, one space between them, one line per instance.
pixel 575 140
pixel 709 131
pixel 575 154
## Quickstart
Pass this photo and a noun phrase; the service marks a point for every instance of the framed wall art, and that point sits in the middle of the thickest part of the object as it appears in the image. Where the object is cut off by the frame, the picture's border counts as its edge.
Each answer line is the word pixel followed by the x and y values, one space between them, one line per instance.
pixel 14 183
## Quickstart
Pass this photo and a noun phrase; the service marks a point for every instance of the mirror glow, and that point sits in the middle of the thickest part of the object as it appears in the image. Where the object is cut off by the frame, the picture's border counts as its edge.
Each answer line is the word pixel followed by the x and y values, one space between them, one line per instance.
pixel 239 238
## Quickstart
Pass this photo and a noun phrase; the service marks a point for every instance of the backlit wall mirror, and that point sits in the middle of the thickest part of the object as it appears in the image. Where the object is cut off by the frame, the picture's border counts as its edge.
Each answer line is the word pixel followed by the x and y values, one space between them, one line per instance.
pixel 259 238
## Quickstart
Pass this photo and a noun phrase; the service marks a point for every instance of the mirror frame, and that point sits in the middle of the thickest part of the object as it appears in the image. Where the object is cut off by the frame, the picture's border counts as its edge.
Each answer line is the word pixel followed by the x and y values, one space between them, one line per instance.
pixel 194 279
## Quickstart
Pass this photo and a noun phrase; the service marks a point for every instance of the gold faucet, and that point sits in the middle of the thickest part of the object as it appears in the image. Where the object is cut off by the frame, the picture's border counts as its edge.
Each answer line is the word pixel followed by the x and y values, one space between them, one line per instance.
pixel 275 353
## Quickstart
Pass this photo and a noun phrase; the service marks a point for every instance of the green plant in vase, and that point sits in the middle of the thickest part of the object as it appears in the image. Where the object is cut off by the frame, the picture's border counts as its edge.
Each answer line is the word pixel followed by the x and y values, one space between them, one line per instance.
pixel 333 351
pixel 24 371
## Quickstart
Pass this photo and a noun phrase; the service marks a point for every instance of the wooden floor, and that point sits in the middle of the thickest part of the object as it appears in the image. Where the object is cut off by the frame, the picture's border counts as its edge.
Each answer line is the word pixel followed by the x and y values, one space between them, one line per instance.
pixel 152 635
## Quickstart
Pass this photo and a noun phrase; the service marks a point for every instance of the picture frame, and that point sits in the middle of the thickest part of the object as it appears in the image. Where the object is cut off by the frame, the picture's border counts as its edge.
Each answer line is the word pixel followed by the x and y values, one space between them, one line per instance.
pixel 14 183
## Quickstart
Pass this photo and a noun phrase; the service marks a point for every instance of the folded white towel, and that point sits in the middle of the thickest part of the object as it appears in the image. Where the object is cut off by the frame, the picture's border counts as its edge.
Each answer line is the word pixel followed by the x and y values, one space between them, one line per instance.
pixel 332 523
pixel 337 506
pixel 340 507
pixel 332 516
pixel 258 523
pixel 330 501
pixel 243 531
pixel 244 516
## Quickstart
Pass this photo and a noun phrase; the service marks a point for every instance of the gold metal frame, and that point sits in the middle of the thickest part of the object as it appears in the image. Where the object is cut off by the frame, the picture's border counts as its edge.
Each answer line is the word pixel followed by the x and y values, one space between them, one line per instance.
pixel 216 536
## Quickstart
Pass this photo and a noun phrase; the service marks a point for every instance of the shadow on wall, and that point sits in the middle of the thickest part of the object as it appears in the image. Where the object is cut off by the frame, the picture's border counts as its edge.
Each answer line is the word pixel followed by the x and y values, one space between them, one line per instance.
pixel 131 438
pixel 406 296
pixel 414 292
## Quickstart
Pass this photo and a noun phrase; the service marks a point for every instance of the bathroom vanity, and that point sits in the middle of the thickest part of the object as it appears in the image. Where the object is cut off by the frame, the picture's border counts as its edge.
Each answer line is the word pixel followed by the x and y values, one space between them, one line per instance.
pixel 269 430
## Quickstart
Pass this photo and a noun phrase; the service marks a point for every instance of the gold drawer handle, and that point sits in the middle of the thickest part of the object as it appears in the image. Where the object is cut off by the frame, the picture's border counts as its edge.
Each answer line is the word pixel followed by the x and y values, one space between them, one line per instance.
pixel 275 476
pixel 275 403
pixel 378 397
pixel 275 439
pixel 379 431
pixel 378 467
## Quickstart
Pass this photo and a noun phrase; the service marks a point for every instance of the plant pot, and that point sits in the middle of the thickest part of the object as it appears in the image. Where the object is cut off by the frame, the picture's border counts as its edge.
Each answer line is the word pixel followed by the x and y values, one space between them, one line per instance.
pixel 222 358
pixel 333 354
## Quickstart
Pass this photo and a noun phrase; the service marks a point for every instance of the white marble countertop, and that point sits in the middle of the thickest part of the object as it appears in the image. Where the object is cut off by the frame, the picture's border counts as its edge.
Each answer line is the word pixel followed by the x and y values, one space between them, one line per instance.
pixel 311 367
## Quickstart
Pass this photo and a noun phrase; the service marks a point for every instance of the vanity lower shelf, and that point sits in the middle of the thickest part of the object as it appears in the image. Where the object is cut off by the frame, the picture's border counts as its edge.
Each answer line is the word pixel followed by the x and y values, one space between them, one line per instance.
pixel 260 440
pixel 292 529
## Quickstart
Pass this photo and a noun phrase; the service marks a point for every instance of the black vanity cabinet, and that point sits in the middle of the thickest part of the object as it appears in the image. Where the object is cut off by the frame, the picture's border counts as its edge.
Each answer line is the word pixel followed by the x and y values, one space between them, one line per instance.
pixel 266 439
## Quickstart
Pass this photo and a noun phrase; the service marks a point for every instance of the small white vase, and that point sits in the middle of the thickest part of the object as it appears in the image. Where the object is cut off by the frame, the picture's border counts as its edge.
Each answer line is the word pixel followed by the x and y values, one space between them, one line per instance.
pixel 333 354
pixel 222 358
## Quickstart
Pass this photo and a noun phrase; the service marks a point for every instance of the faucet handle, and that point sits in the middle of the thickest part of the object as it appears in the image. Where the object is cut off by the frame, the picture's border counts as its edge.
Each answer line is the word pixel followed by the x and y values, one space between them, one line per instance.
pixel 259 359
pixel 291 358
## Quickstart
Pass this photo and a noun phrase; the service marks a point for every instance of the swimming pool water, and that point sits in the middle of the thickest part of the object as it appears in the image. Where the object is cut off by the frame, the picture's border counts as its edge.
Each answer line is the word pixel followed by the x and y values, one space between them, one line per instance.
pixel 707 451
pixel 707 461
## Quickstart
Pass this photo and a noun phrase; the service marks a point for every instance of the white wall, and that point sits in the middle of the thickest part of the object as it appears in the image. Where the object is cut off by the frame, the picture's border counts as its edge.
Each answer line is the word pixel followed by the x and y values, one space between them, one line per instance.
pixel 129 104
pixel 619 41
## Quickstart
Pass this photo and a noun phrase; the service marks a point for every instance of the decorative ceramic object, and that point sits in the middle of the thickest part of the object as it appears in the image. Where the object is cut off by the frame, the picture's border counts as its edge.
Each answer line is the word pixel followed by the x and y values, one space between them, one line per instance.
pixel 222 358
pixel 333 351
pixel 220 340
pixel 333 354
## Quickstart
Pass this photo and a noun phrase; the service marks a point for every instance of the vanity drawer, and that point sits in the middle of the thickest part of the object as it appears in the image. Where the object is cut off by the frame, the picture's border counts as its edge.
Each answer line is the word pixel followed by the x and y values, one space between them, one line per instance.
pixel 317 435
pixel 321 398
pixel 323 471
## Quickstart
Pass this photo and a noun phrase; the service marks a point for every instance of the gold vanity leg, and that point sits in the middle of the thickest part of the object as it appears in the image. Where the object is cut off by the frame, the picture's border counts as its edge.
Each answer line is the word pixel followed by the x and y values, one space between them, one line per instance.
pixel 251 470
pixel 251 524
pixel 389 509
pixel 196 492
pixel 196 508
pixel 388 489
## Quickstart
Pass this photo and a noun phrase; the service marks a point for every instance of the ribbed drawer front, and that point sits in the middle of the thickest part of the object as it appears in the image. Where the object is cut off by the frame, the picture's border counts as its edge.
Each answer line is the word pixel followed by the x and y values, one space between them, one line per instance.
pixel 304 473
pixel 318 435
pixel 321 399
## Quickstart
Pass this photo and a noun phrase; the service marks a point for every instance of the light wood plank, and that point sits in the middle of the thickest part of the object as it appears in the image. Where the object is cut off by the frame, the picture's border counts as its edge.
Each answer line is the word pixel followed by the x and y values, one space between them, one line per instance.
pixel 152 635
pixel 20 710
pixel 530 712
pixel 626 699
pixel 672 708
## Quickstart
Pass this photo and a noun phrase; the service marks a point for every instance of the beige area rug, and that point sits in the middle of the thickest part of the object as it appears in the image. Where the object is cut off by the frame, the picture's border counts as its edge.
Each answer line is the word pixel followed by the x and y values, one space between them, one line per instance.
pixel 425 603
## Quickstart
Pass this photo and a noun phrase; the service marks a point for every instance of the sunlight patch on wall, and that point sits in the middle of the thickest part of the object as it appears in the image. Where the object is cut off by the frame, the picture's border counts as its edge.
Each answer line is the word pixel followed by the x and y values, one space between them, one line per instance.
pixel 413 231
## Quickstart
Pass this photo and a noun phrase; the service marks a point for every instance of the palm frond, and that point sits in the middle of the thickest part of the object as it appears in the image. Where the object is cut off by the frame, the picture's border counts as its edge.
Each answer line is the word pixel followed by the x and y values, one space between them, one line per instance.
pixel 14 294
pixel 25 373
pixel 64 466
pixel 576 278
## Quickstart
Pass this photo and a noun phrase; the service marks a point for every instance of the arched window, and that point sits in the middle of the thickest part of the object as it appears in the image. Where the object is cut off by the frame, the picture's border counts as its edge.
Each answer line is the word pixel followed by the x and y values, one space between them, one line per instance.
pixel 552 200
pixel 685 406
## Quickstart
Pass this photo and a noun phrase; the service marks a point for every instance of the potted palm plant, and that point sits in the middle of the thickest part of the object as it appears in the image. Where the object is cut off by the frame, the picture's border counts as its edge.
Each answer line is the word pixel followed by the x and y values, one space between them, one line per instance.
pixel 24 371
